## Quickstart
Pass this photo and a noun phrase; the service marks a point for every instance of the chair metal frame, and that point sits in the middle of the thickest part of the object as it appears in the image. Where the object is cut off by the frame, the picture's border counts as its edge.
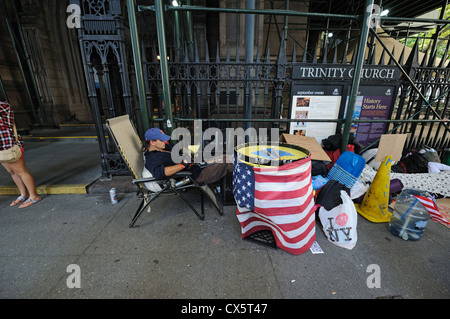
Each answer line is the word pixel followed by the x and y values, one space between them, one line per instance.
pixel 172 184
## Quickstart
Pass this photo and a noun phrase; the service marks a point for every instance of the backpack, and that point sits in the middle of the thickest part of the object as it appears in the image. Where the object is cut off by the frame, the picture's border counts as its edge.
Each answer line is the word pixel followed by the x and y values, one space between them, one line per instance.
pixel 412 163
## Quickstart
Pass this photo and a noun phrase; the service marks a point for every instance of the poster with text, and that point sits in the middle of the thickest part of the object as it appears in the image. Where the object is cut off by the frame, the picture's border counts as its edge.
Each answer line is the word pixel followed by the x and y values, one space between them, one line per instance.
pixel 372 103
pixel 315 103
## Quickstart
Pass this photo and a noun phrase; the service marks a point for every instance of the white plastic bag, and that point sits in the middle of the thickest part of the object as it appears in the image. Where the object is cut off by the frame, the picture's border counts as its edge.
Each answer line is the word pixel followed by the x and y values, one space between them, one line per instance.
pixel 358 189
pixel 339 223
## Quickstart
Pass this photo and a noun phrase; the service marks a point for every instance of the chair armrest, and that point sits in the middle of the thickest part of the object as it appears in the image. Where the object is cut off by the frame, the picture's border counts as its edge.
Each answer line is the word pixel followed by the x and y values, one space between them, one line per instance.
pixel 152 179
pixel 181 174
pixel 144 180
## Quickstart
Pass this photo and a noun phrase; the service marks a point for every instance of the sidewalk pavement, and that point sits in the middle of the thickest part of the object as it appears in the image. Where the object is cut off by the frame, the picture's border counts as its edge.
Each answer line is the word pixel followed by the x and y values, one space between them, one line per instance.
pixel 174 255
pixel 58 167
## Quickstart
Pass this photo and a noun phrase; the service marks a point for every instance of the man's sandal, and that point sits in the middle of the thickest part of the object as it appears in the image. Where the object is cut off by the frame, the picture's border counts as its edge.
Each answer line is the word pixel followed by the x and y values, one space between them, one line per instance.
pixel 18 200
pixel 29 202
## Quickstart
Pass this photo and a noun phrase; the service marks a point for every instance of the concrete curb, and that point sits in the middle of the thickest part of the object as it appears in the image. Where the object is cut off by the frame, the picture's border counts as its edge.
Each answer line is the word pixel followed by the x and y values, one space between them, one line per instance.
pixel 48 189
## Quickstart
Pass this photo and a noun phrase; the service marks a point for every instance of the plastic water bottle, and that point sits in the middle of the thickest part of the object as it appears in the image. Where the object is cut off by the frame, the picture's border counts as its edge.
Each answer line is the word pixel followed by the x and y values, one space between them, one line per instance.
pixel 182 182
pixel 410 217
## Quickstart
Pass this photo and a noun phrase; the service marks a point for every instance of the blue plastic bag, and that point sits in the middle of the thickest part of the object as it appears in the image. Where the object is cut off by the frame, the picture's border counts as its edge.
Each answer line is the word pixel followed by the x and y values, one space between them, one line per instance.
pixel 347 168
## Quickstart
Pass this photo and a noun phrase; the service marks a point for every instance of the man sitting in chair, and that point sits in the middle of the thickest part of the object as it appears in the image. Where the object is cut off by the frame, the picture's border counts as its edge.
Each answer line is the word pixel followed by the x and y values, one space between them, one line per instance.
pixel 158 160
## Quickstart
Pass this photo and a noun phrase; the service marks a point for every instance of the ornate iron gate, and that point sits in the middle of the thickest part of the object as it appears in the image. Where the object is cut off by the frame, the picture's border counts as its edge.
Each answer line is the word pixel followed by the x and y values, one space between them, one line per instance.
pixel 102 39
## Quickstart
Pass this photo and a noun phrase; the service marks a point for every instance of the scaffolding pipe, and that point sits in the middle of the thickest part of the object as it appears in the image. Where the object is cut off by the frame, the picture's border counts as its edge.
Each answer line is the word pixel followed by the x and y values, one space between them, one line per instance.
pixel 177 33
pixel 164 66
pixel 254 11
pixel 138 64
pixel 292 13
pixel 190 33
pixel 249 31
pixel 357 74
pixel 249 43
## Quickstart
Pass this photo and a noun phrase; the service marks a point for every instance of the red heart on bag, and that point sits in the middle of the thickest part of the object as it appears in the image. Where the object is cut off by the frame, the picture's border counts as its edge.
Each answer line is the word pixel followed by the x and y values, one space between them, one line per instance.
pixel 341 219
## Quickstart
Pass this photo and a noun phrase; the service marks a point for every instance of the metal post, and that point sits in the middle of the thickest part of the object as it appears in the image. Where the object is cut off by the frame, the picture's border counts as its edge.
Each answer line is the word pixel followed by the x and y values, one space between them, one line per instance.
pixel 92 94
pixel 138 63
pixel 249 31
pixel 357 74
pixel 190 32
pixel 177 36
pixel 164 66
pixel 249 43
pixel 285 27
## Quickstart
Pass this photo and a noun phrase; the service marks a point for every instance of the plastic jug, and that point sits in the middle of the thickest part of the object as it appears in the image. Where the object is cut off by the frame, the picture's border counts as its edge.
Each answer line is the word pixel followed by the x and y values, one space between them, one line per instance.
pixel 410 217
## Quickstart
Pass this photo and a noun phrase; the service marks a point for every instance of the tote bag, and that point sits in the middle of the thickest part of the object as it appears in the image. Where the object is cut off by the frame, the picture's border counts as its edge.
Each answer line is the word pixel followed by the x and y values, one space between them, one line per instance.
pixel 12 154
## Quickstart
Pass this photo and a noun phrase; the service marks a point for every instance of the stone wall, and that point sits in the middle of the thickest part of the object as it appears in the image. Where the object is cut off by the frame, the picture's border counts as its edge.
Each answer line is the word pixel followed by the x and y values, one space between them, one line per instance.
pixel 55 59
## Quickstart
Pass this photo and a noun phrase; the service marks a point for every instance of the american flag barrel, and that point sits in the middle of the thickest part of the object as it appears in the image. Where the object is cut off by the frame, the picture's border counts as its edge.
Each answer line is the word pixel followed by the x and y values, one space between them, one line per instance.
pixel 273 190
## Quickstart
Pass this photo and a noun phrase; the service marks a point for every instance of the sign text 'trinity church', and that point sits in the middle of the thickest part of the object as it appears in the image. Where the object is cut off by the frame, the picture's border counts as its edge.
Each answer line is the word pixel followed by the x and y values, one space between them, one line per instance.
pixel 344 72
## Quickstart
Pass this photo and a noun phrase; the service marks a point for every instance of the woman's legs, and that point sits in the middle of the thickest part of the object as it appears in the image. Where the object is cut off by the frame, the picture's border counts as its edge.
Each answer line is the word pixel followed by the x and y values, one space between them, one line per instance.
pixel 22 178
pixel 20 185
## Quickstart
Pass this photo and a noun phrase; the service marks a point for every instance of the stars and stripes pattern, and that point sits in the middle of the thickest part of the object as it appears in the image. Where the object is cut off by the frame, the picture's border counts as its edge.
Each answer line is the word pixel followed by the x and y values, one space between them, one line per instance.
pixel 279 199
pixel 430 204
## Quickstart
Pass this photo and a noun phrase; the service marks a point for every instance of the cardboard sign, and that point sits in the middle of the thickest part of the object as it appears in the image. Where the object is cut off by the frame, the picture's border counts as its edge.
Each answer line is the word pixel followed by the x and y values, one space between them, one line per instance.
pixel 444 207
pixel 310 143
pixel 391 145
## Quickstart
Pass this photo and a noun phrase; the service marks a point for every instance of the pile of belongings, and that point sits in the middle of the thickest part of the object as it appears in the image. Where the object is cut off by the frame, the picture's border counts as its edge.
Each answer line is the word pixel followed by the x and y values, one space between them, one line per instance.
pixel 418 169
pixel 413 161
pixel 347 185
pixel 344 185
pixel 334 185
pixel 345 169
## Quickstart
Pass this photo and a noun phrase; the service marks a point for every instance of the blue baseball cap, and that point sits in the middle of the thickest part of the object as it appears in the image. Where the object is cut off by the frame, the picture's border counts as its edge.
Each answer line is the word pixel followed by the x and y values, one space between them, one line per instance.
pixel 156 134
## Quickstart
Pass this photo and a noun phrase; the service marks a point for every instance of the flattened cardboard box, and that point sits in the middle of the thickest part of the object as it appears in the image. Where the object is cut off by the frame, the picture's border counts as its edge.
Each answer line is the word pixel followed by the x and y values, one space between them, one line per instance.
pixel 310 143
pixel 391 145
pixel 444 208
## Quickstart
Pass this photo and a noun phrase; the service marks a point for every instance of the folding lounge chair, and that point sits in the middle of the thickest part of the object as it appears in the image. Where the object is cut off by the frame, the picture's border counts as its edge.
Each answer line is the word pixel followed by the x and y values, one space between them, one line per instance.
pixel 125 136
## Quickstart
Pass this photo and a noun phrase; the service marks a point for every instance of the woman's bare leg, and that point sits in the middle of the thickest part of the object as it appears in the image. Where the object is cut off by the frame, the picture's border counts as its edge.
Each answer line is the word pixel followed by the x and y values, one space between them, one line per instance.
pixel 17 180
pixel 22 178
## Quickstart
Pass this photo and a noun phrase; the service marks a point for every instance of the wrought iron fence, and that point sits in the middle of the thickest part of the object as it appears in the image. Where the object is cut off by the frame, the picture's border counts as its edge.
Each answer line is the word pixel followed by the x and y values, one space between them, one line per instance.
pixel 433 81
pixel 231 92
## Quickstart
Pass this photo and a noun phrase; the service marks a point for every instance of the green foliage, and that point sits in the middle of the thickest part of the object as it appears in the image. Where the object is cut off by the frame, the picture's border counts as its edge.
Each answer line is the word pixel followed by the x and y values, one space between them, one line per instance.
pixel 425 38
